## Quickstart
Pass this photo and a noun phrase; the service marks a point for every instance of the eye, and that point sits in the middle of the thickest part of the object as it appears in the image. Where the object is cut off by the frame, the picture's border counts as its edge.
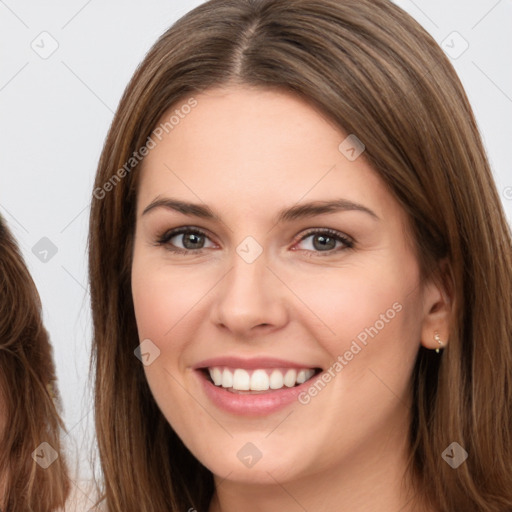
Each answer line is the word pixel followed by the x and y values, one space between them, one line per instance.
pixel 324 240
pixel 194 240
pixel 191 239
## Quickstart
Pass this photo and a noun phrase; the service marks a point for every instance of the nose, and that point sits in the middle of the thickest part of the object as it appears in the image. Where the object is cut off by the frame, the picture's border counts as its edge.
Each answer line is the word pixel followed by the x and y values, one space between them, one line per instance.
pixel 249 300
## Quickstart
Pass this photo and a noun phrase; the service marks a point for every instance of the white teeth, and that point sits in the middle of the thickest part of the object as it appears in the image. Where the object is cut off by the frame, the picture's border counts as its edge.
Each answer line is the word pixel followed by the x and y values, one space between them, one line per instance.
pixel 216 376
pixel 241 380
pixel 290 378
pixel 260 379
pixel 301 376
pixel 227 379
pixel 304 375
pixel 276 380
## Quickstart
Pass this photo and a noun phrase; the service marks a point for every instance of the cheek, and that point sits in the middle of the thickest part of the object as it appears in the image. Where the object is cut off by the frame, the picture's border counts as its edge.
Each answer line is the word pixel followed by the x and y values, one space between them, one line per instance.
pixel 350 301
pixel 164 305
pixel 368 315
pixel 163 297
pixel 154 308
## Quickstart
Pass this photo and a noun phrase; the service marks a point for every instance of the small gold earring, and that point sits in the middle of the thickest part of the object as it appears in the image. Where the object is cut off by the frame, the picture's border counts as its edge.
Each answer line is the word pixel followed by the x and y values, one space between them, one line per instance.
pixel 438 339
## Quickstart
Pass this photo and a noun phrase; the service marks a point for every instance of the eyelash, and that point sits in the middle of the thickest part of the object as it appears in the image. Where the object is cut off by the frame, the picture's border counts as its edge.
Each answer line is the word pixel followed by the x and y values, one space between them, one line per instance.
pixel 168 235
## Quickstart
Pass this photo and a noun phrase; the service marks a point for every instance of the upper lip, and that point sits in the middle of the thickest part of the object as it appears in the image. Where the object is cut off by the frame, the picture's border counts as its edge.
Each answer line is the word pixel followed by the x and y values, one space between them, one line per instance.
pixel 250 364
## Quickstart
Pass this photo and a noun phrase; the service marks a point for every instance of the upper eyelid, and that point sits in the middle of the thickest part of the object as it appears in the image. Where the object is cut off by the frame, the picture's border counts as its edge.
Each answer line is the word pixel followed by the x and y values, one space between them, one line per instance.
pixel 185 229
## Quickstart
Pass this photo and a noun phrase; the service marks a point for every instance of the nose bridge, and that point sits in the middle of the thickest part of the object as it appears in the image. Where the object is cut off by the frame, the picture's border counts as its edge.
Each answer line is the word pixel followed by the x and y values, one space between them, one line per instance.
pixel 249 295
pixel 247 287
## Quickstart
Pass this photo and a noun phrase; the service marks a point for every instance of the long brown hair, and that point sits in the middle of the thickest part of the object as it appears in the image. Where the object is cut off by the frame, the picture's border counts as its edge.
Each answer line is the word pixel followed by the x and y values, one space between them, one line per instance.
pixel 378 74
pixel 28 394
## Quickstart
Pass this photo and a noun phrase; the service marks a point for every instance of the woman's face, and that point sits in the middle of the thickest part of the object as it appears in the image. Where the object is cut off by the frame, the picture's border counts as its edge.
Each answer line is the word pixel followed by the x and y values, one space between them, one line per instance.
pixel 243 275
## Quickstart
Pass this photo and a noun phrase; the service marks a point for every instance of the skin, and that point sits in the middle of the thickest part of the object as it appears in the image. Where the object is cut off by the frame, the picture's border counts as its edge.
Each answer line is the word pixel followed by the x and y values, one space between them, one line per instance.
pixel 247 153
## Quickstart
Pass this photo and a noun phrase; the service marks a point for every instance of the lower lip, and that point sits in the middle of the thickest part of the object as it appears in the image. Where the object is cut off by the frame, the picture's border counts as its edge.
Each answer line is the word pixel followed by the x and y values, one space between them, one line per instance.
pixel 251 405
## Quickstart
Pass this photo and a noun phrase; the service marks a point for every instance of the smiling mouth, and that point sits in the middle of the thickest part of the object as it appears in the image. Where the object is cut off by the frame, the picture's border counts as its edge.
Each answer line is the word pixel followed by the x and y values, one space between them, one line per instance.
pixel 240 381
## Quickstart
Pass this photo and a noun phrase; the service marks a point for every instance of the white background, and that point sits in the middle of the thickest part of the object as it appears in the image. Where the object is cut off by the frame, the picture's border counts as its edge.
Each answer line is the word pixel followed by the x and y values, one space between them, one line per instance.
pixel 55 113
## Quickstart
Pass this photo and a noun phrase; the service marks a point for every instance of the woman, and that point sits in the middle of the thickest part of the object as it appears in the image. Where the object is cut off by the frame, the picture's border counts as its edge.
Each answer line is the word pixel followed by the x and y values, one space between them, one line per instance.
pixel 33 471
pixel 296 231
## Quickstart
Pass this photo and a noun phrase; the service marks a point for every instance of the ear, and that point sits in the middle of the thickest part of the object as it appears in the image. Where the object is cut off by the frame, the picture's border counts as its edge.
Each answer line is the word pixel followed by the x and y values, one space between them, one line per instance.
pixel 437 308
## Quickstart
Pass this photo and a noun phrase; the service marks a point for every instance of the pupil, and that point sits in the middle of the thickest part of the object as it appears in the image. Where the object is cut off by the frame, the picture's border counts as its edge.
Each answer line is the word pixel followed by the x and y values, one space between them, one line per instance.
pixel 192 237
pixel 324 242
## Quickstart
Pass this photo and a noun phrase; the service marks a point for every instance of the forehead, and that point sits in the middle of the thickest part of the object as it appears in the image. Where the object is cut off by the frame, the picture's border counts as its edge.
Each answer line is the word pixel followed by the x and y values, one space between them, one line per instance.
pixel 257 148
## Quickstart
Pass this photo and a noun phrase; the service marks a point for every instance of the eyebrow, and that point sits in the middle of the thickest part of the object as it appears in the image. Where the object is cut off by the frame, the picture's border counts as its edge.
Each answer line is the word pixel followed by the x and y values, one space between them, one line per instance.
pixel 299 211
